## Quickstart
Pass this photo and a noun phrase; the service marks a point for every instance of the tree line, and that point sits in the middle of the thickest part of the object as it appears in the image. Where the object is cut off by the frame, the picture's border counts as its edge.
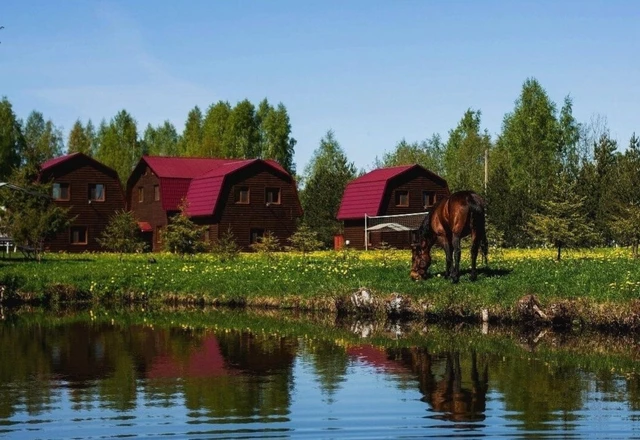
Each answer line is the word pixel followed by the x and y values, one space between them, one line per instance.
pixel 548 178
pixel 224 131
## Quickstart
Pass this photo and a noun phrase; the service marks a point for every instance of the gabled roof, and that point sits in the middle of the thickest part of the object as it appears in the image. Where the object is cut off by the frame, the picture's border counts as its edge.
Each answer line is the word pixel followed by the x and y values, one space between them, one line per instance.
pixel 52 163
pixel 200 180
pixel 364 194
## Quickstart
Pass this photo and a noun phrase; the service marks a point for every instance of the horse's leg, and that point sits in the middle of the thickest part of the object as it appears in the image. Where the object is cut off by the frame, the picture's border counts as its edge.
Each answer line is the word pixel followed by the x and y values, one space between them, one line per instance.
pixel 455 250
pixel 475 244
pixel 446 245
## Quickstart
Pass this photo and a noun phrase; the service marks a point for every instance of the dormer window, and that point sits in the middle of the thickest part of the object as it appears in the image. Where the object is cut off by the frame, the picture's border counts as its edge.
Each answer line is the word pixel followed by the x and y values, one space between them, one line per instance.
pixel 272 196
pixel 402 198
pixel 96 192
pixel 60 191
pixel 242 195
pixel 428 199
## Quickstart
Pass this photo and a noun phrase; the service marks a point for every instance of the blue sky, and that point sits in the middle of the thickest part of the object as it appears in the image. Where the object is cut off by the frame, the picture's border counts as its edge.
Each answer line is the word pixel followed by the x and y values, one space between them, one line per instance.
pixel 373 71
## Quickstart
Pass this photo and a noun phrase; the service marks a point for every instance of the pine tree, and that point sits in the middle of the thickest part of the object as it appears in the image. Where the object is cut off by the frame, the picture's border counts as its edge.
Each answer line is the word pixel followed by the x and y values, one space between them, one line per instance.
pixel 464 154
pixel 43 141
pixel 561 223
pixel 191 141
pixel 11 140
pixel 325 179
pixel 122 234
pixel 182 236
pixel 161 140
pixel 118 144
pixel 213 130
pixel 241 132
pixel 81 139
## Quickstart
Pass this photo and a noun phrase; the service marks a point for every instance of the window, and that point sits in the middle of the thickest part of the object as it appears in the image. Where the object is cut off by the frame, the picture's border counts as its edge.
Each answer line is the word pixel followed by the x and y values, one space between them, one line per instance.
pixel 272 196
pixel 242 195
pixel 256 235
pixel 60 191
pixel 402 198
pixel 428 198
pixel 96 192
pixel 78 235
pixel 140 194
pixel 156 192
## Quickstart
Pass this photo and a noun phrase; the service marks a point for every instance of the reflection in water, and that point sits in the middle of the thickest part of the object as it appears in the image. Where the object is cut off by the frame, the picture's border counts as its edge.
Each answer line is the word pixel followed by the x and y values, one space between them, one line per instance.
pixel 131 380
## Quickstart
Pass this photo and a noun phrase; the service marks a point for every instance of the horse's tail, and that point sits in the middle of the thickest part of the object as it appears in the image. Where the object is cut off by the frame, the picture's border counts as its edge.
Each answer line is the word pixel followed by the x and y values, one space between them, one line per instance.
pixel 478 210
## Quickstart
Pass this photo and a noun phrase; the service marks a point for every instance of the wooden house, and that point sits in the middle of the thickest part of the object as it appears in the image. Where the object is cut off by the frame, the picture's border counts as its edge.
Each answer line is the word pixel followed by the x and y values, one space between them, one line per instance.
pixel 390 191
pixel 93 193
pixel 246 196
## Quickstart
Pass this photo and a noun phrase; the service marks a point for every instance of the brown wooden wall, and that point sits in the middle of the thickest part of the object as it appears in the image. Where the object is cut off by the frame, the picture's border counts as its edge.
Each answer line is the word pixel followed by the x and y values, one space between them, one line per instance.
pixel 79 173
pixel 280 219
pixel 414 181
pixel 149 210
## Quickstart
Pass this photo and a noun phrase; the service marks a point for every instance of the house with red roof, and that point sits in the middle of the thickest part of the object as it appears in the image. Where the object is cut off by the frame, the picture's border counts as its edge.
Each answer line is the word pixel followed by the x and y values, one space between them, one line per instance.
pixel 247 196
pixel 397 190
pixel 91 191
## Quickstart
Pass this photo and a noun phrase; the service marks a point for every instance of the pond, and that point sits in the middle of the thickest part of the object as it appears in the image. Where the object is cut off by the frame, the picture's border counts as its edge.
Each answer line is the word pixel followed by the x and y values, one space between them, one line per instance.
pixel 203 374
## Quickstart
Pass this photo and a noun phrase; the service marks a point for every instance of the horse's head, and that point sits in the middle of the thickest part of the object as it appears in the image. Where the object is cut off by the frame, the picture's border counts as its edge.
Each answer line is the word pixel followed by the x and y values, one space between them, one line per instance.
pixel 420 260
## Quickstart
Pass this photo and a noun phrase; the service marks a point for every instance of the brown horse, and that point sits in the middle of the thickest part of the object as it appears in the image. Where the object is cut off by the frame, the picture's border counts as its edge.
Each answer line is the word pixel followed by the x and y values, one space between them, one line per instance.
pixel 453 218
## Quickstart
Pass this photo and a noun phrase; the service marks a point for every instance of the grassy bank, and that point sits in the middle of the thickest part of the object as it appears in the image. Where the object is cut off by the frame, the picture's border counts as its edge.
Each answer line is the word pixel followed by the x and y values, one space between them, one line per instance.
pixel 594 287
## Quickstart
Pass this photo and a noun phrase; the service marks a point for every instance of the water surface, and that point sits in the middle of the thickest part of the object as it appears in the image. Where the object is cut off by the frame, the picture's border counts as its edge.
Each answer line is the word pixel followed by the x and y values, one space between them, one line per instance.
pixel 83 377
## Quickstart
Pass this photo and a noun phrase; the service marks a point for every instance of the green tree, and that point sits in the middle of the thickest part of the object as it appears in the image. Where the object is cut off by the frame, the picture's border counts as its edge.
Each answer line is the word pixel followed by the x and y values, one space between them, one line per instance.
pixel 31 217
pixel 561 223
pixel 241 133
pixel 182 236
pixel 266 245
pixel 226 246
pixel 624 198
pixel 81 138
pixel 428 154
pixel 464 153
pixel 569 154
pixel 305 240
pixel 275 135
pixel 325 179
pixel 11 140
pixel 191 140
pixel 122 234
pixel 118 144
pixel 597 183
pixel 42 141
pixel 161 140
pixel 527 151
pixel 213 130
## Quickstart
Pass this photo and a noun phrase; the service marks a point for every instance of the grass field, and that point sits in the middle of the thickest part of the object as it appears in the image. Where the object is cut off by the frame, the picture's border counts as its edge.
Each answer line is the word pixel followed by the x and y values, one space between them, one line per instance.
pixel 587 283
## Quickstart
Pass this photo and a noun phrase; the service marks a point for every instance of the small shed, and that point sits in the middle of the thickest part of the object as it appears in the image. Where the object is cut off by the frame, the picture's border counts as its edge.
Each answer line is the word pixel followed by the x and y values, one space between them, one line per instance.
pixel 388 204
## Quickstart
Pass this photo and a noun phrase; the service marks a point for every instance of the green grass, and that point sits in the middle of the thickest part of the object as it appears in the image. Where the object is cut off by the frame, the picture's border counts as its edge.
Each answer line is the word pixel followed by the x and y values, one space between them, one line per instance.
pixel 606 278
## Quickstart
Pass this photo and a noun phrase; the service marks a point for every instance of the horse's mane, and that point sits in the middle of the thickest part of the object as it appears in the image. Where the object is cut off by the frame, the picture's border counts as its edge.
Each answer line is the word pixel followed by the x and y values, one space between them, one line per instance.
pixel 424 231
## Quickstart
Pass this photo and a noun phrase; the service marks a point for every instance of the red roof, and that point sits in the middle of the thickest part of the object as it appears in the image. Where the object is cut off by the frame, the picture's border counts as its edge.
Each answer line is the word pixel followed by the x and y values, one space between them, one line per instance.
pixel 56 160
pixel 51 163
pixel 364 194
pixel 199 180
